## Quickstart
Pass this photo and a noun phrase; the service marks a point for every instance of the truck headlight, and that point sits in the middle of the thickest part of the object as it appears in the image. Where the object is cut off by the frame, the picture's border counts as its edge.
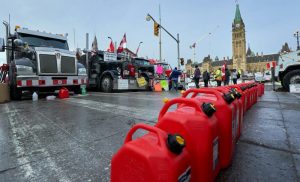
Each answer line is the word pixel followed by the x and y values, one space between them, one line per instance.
pixel 81 71
pixel 24 70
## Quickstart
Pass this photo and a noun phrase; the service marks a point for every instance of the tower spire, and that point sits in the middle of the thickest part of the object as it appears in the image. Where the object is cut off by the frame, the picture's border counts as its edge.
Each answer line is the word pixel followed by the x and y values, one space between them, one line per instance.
pixel 237 17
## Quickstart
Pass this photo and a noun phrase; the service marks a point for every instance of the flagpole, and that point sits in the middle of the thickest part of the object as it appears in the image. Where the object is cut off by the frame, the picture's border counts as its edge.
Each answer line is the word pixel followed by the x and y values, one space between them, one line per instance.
pixel 160 58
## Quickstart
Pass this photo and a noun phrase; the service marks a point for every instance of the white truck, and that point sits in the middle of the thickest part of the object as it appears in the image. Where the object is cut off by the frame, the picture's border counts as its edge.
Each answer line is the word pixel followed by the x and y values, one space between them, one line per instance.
pixel 288 69
pixel 40 61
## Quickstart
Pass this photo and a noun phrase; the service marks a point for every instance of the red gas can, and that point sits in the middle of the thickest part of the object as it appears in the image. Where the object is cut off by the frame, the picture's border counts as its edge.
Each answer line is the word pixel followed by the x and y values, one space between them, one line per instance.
pixel 197 124
pixel 240 100
pixel 63 93
pixel 246 92
pixel 226 119
pixel 154 157
pixel 238 115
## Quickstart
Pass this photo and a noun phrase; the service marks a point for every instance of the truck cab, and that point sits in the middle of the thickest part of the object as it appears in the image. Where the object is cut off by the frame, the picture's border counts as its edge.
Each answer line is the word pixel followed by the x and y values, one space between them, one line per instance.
pixel 40 61
pixel 288 68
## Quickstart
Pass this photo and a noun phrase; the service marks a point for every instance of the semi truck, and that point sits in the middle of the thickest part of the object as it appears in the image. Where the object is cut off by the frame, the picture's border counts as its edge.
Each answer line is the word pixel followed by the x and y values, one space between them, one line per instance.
pixel 40 61
pixel 117 71
pixel 287 69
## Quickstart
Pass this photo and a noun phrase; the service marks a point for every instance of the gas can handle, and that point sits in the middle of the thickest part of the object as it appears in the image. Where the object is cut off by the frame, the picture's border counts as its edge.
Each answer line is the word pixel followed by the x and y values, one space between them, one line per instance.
pixel 202 90
pixel 186 101
pixel 146 127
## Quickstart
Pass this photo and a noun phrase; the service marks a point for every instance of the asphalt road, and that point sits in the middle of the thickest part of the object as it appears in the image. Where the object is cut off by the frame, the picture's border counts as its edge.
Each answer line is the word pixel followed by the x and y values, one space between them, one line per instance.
pixel 74 139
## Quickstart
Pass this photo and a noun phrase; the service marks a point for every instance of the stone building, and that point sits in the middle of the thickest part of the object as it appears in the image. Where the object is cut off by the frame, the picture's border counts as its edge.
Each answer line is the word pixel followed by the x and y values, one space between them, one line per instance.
pixel 243 60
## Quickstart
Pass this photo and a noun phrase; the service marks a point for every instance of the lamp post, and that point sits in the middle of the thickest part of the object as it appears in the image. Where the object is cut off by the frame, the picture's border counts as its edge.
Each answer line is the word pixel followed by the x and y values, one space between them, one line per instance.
pixel 148 18
pixel 296 34
pixel 137 50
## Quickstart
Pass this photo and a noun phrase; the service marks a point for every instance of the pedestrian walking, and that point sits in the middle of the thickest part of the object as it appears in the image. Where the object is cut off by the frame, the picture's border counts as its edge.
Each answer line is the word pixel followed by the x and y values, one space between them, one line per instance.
pixel 218 77
pixel 206 78
pixel 227 76
pixel 234 76
pixel 197 74
pixel 174 78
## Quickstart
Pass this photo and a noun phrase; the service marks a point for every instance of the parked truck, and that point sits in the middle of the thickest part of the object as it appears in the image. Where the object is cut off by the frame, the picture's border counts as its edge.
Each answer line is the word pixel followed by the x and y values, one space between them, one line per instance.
pixel 288 68
pixel 40 61
pixel 110 72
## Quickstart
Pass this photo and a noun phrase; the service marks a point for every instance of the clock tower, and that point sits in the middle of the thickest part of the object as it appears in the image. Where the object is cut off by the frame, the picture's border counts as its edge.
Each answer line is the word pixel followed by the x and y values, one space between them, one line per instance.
pixel 239 42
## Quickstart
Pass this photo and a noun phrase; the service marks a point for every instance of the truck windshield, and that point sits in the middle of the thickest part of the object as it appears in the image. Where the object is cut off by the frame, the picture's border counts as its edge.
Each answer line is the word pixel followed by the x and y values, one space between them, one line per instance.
pixel 37 41
pixel 142 62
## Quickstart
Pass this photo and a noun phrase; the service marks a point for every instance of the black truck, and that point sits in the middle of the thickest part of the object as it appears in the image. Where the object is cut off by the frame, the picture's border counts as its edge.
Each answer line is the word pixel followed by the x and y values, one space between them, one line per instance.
pixel 122 73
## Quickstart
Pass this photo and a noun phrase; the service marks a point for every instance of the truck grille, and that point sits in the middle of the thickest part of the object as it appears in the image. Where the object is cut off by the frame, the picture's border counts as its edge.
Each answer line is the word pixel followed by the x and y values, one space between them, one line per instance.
pixel 68 65
pixel 49 65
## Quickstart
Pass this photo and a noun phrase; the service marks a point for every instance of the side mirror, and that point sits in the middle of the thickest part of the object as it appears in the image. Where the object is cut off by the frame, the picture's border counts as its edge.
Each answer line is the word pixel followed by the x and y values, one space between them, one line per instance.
pixel 19 43
pixel 2 45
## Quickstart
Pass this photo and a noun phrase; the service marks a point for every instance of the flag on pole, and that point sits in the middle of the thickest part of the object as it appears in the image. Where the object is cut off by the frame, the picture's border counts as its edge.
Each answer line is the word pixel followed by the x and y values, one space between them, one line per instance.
pixel 223 70
pixel 122 45
pixel 111 47
pixel 193 45
pixel 94 46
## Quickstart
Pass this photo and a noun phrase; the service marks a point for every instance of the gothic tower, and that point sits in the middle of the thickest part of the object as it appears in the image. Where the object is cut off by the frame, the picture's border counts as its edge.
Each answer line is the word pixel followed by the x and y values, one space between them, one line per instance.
pixel 239 42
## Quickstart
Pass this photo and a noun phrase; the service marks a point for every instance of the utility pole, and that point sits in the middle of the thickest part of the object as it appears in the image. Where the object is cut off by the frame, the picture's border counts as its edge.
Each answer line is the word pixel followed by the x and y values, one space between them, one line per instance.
pixel 296 34
pixel 178 53
pixel 160 58
pixel 87 53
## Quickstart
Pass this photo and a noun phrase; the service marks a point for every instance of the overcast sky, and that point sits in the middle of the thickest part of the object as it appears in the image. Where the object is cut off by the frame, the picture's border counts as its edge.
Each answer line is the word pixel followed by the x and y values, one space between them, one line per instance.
pixel 269 23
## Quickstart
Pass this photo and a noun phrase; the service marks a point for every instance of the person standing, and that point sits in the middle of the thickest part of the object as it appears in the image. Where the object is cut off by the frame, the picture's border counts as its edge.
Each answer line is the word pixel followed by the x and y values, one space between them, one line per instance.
pixel 197 74
pixel 174 78
pixel 218 77
pixel 234 76
pixel 227 76
pixel 206 78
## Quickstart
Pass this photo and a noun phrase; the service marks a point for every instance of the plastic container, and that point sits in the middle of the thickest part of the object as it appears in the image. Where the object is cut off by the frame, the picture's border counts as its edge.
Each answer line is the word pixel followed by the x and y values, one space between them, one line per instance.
pixel 225 114
pixel 198 125
pixel 154 157
pixel 35 96
pixel 50 97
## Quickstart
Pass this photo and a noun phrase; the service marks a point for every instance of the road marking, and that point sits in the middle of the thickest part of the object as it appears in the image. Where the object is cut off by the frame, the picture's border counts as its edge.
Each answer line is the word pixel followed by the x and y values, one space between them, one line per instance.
pixel 137 113
pixel 298 96
pixel 146 97
pixel 22 160
pixel 23 130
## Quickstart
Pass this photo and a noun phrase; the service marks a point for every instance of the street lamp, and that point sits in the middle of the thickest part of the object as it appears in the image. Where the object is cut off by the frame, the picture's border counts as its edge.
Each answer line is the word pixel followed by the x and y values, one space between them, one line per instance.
pixel 296 34
pixel 149 18
pixel 137 50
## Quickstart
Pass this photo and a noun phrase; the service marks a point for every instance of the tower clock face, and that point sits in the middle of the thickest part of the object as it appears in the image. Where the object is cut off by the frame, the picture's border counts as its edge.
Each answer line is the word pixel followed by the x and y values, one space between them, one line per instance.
pixel 237 25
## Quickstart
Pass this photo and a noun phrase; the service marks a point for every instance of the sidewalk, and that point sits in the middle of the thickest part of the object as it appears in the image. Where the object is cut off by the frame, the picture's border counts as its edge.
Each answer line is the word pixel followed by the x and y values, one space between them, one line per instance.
pixel 269 149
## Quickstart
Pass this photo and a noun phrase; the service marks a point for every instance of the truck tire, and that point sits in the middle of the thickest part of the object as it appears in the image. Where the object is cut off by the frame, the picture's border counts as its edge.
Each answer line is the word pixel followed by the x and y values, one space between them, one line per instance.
pixel 77 90
pixel 291 77
pixel 107 84
pixel 15 93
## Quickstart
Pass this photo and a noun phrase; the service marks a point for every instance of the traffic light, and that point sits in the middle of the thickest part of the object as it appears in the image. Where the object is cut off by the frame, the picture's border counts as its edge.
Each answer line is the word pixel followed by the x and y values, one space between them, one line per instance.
pixel 156 29
pixel 182 61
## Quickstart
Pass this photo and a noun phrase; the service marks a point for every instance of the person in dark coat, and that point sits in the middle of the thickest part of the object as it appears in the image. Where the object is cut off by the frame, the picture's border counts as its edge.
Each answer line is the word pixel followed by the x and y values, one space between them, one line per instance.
pixel 174 78
pixel 227 76
pixel 197 74
pixel 206 78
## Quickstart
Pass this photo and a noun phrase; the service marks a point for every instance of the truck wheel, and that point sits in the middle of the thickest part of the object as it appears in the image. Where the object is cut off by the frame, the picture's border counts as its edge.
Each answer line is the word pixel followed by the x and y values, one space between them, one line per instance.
pixel 292 77
pixel 77 90
pixel 106 84
pixel 15 93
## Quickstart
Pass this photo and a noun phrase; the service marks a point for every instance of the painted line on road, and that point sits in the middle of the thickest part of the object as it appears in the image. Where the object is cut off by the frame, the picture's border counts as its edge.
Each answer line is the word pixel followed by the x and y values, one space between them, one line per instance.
pixel 145 97
pixel 132 112
pixel 298 96
pixel 20 129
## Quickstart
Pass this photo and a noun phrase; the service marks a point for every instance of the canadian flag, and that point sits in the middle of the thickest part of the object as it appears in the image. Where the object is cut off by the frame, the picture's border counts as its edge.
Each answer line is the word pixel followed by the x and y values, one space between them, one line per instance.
pixel 111 47
pixel 122 45
pixel 271 64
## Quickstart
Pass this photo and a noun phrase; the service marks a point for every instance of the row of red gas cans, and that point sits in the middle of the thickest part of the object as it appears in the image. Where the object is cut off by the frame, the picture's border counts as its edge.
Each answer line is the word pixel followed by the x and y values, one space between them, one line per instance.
pixel 191 142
